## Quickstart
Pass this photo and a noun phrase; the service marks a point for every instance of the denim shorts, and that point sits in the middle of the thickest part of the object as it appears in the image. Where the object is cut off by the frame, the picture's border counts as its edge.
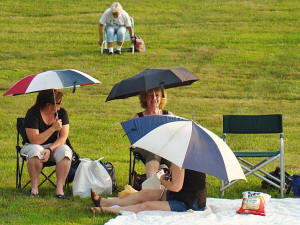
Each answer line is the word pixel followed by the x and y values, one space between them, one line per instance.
pixel 178 206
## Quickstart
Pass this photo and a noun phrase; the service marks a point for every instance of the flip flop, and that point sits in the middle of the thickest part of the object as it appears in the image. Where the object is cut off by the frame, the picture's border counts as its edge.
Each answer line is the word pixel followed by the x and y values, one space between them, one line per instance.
pixel 63 197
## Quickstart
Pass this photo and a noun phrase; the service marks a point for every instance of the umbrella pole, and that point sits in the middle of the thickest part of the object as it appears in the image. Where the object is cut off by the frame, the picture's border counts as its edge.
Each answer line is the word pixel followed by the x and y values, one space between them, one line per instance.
pixel 156 104
pixel 56 115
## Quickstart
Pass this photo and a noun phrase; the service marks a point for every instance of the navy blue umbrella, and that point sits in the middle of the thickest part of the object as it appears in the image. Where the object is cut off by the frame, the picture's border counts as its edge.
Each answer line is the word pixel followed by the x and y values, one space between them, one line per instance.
pixel 184 143
pixel 149 79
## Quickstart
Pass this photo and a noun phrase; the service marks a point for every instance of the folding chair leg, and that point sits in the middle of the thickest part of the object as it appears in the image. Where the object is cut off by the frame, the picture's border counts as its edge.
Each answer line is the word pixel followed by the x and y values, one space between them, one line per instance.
pixel 130 172
pixel 20 176
pixel 252 171
pixel 47 178
pixel 101 48
pixel 282 167
pixel 222 185
pixel 17 172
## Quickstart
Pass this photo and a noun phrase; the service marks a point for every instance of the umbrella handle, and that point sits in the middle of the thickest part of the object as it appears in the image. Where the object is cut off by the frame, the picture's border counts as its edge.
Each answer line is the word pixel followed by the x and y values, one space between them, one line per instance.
pixel 162 89
pixel 74 86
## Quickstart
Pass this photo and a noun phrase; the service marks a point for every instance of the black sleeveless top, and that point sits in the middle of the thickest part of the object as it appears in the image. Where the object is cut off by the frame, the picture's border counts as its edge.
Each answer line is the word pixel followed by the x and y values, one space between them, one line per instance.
pixel 194 187
pixel 165 112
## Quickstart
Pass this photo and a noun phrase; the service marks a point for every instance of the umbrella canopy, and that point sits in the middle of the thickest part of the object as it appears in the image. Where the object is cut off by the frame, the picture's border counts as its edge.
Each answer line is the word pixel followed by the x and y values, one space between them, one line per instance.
pixel 52 79
pixel 149 79
pixel 184 143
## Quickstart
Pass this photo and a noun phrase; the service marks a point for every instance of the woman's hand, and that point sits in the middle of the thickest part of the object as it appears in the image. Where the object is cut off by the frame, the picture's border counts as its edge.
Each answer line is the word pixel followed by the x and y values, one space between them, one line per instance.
pixel 46 155
pixel 57 125
pixel 162 178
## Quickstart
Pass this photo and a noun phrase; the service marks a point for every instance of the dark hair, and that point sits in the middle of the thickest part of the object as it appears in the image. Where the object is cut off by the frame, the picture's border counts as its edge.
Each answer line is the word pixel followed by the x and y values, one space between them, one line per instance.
pixel 47 96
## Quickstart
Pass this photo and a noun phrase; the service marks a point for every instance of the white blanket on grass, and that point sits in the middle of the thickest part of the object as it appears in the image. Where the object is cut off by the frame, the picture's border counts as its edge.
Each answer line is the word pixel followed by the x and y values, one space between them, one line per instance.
pixel 219 212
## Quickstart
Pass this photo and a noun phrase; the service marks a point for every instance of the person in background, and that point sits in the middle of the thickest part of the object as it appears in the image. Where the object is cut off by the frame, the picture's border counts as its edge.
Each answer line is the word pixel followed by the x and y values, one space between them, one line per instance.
pixel 153 102
pixel 115 20
pixel 47 128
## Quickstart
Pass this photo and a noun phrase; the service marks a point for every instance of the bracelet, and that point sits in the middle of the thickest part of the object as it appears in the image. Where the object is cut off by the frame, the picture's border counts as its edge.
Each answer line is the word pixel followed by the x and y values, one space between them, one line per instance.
pixel 49 149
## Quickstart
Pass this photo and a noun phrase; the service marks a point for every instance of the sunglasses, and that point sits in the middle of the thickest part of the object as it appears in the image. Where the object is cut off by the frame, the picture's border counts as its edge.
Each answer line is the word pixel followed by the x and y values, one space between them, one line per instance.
pixel 58 103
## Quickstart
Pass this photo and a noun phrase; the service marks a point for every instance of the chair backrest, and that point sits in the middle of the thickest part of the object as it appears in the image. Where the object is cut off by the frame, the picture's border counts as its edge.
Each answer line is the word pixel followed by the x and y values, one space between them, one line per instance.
pixel 252 124
pixel 20 130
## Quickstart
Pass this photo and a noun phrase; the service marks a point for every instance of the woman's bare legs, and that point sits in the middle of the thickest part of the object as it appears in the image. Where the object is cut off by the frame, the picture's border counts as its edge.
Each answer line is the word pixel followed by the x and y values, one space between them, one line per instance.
pixel 148 205
pixel 132 199
pixel 152 167
pixel 62 170
pixel 34 167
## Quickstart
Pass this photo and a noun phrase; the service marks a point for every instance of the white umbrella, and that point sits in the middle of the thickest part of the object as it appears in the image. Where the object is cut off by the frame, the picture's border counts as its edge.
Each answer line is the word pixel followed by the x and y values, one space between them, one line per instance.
pixel 184 143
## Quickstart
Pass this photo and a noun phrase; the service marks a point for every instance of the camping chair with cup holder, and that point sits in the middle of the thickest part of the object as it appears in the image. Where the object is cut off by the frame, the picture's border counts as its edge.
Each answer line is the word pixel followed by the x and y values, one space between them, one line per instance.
pixel 104 49
pixel 256 125
pixel 23 158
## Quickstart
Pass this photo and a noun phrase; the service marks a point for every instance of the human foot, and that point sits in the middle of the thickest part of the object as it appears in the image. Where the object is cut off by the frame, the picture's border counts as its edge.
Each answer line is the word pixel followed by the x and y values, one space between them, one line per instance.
pixel 96 209
pixel 95 198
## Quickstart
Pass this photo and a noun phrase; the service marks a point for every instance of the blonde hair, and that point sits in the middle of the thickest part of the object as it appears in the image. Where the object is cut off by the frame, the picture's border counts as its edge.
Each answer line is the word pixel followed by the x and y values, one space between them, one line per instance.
pixel 116 7
pixel 143 98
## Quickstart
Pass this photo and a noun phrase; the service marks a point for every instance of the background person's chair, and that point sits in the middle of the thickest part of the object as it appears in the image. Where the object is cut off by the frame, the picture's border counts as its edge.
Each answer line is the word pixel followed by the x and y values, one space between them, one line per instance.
pixel 23 158
pixel 134 157
pixel 256 124
pixel 104 48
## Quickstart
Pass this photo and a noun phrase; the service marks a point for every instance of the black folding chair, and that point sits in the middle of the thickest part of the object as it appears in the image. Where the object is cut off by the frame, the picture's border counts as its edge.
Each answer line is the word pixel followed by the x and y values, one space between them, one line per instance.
pixel 134 157
pixel 257 124
pixel 22 158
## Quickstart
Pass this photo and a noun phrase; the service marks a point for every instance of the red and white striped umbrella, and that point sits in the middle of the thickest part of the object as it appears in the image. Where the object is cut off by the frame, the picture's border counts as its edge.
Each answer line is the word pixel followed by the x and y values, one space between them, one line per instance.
pixel 52 79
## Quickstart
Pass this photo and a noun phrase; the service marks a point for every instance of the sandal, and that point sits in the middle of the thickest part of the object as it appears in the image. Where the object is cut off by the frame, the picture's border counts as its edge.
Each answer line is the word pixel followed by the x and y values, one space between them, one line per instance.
pixel 96 198
pixel 33 195
pixel 63 197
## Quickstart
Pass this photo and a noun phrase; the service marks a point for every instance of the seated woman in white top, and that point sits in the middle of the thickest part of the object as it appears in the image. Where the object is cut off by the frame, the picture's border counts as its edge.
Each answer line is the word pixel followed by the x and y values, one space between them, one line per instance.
pixel 116 20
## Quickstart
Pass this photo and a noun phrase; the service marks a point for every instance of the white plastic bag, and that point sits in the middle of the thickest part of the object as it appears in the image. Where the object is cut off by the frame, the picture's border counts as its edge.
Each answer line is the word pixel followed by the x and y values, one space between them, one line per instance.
pixel 91 175
pixel 153 182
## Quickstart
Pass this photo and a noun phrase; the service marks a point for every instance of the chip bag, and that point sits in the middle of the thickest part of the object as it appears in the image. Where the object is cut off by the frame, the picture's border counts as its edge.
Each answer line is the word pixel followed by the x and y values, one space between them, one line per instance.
pixel 127 191
pixel 254 203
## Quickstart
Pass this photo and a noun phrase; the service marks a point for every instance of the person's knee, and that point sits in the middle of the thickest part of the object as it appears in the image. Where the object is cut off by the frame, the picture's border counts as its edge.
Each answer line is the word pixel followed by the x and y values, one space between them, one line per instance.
pixel 32 150
pixel 147 206
pixel 110 32
pixel 121 34
pixel 121 31
pixel 63 152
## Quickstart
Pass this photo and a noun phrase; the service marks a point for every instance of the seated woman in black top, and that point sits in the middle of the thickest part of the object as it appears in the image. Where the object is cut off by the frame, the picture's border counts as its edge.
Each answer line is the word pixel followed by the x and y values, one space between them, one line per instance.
pixel 47 129
pixel 186 190
pixel 153 102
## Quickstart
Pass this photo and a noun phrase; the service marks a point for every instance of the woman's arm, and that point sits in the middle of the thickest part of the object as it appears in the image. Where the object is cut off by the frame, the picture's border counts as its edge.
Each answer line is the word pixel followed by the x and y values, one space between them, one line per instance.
pixel 35 137
pixel 177 179
pixel 63 135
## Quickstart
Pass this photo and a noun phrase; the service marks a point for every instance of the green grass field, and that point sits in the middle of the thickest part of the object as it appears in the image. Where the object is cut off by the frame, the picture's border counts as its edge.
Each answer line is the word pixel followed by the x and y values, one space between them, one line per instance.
pixel 246 54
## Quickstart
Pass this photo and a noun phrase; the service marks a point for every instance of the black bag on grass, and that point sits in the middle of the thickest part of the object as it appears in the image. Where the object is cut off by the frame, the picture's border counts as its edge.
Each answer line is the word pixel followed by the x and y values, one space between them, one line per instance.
pixel 112 173
pixel 74 165
pixel 276 173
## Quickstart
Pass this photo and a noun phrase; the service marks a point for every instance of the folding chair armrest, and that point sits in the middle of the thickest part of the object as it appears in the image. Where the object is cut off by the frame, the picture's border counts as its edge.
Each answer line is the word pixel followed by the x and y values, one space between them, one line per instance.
pixel 256 154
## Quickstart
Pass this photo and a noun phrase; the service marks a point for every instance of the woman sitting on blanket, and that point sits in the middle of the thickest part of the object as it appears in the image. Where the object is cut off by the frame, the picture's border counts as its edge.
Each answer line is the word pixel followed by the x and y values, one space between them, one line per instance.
pixel 186 190
pixel 153 102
